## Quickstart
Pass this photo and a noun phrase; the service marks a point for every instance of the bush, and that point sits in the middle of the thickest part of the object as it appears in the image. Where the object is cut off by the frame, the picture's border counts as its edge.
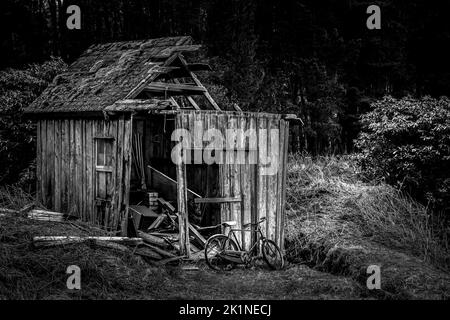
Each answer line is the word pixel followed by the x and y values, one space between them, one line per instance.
pixel 407 143
pixel 18 88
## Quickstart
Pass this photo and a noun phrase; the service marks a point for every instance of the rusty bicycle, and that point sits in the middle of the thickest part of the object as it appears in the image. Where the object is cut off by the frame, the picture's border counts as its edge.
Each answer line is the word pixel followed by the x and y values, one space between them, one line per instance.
pixel 223 252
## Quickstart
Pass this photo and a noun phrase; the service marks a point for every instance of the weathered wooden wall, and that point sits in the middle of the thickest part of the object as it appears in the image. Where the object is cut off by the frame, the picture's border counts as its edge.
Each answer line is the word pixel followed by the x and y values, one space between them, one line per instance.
pixel 262 195
pixel 66 169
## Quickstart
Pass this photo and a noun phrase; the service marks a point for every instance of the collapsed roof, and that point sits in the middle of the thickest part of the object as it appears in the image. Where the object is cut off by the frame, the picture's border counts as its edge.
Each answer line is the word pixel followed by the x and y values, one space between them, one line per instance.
pixel 107 74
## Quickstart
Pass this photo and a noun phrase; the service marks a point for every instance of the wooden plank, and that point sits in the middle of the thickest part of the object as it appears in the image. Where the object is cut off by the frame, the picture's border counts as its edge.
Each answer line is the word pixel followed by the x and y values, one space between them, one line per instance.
pixel 218 200
pixel 190 99
pixel 196 235
pixel 173 88
pixel 64 164
pixel 38 161
pixel 198 83
pixel 235 191
pixel 71 173
pixel 169 179
pixel 57 184
pixel 119 166
pixel 283 172
pixel 182 200
pixel 88 167
pixel 155 224
pixel 78 169
pixel 167 205
pixel 127 171
pixel 261 182
pixel 272 181
pixel 111 187
pixel 50 160
pixel 252 177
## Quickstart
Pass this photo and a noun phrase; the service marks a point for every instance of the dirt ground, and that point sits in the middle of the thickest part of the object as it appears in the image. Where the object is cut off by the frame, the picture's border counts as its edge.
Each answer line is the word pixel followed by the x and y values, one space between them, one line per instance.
pixel 296 282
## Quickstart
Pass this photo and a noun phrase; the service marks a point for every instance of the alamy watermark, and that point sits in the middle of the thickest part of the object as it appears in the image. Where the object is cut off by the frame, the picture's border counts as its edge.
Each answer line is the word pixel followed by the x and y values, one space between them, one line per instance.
pixel 252 146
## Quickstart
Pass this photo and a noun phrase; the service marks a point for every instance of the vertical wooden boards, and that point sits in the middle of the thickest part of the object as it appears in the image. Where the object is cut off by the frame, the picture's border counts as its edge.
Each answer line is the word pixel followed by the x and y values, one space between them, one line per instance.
pixel 183 220
pixel 64 164
pixel 67 179
pixel 57 168
pixel 38 161
pixel 245 188
pixel 283 173
pixel 271 179
pixel 235 190
pixel 126 159
pixel 262 194
pixel 89 170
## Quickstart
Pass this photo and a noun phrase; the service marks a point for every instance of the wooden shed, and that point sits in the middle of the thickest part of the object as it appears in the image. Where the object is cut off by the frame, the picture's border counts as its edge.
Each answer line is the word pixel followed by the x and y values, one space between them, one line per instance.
pixel 105 138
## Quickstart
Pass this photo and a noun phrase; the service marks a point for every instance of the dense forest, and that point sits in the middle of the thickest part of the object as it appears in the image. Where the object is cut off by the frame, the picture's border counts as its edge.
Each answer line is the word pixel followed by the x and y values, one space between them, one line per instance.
pixel 313 58
pixel 316 59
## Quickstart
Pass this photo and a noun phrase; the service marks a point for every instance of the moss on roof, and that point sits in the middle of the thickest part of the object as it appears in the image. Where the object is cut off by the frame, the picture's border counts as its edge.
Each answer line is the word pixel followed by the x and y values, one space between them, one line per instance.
pixel 107 73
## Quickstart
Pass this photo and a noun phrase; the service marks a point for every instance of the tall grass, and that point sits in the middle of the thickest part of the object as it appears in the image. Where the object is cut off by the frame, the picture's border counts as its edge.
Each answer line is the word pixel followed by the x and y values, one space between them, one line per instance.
pixel 14 197
pixel 327 201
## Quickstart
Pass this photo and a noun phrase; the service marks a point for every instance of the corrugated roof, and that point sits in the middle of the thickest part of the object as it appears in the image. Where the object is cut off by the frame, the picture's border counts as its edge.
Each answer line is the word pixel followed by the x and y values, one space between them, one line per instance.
pixel 106 73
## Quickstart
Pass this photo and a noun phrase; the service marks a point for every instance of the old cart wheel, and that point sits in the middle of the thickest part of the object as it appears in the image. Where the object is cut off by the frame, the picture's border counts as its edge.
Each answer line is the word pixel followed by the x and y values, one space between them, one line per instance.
pixel 214 246
pixel 272 254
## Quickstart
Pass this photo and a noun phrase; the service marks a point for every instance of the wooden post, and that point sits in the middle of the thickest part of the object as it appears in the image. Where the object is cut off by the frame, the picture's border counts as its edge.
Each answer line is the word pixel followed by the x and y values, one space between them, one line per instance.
pixel 183 219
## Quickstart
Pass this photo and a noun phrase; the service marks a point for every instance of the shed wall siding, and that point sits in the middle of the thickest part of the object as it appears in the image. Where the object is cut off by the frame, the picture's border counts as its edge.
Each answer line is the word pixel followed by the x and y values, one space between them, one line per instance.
pixel 67 178
pixel 262 195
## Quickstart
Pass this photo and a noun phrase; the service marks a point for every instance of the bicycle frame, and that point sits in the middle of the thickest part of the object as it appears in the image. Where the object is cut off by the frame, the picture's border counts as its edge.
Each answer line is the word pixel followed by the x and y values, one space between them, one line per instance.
pixel 256 229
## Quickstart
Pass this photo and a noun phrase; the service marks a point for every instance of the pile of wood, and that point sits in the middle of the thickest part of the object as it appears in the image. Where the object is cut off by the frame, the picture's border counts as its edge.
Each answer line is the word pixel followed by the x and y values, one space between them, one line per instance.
pixel 161 238
pixel 157 244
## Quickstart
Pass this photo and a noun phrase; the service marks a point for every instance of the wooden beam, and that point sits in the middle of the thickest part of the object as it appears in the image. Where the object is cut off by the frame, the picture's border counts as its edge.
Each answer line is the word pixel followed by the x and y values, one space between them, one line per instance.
pixel 218 200
pixel 173 181
pixel 190 99
pixel 198 83
pixel 173 88
pixel 199 67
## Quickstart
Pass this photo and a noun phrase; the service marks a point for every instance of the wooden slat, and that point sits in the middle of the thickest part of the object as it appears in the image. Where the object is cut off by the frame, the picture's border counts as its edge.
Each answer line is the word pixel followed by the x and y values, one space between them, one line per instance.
pixel 57 168
pixel 118 187
pixel 78 160
pixel 246 215
pixel 190 99
pixel 174 88
pixel 218 200
pixel 88 170
pixel 127 173
pixel 283 172
pixel 272 182
pixel 182 199
pixel 38 161
pixel 198 83
pixel 50 160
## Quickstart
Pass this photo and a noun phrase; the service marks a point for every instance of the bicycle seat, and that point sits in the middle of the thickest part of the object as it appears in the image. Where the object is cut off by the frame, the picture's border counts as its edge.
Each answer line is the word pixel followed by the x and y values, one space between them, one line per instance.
pixel 229 223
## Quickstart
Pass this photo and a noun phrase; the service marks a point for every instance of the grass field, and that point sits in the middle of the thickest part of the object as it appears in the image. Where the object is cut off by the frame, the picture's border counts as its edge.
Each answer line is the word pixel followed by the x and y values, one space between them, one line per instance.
pixel 336 226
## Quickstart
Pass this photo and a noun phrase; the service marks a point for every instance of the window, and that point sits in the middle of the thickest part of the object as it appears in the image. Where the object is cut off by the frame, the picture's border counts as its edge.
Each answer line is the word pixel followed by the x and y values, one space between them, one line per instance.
pixel 104 149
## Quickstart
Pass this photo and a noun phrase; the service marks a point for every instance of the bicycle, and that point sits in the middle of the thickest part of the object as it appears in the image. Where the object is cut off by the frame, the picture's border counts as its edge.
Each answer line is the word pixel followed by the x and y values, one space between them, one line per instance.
pixel 222 253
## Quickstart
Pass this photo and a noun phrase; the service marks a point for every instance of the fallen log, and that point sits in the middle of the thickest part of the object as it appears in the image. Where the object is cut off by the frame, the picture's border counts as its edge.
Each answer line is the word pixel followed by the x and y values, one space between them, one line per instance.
pixel 48 241
pixel 152 239
pixel 111 245
pixel 43 215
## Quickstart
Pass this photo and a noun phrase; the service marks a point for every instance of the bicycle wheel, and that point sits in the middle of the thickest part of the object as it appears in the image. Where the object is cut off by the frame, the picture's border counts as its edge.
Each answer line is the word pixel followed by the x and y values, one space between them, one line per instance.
pixel 272 254
pixel 213 247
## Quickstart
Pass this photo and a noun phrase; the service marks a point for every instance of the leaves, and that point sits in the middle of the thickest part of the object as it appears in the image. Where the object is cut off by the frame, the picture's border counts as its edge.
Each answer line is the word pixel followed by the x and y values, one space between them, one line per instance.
pixel 17 135
pixel 407 142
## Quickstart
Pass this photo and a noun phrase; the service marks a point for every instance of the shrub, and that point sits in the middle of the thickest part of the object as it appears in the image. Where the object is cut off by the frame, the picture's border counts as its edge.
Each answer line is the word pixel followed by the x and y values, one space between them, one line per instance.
pixel 18 88
pixel 407 143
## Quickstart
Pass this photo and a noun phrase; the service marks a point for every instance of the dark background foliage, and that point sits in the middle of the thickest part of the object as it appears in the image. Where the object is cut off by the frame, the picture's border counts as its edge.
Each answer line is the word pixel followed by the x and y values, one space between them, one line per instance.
pixel 316 59
pixel 313 58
